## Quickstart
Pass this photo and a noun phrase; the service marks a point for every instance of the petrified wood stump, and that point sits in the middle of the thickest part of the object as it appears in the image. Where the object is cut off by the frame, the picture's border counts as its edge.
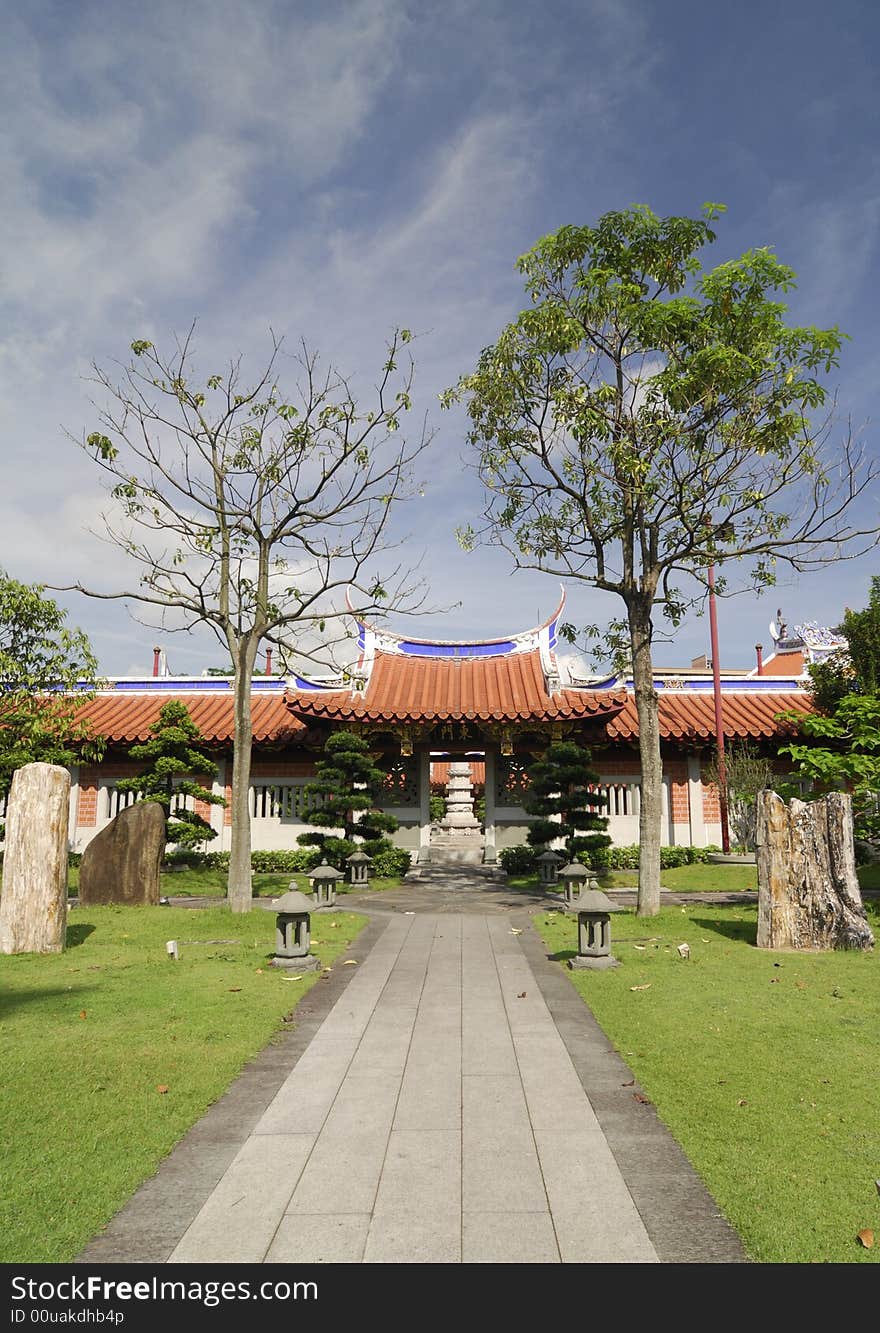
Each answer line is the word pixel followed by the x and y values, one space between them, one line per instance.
pixel 808 893
pixel 33 910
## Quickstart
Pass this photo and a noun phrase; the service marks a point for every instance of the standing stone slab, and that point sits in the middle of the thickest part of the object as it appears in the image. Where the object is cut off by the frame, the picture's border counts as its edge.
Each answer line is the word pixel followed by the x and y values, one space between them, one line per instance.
pixel 121 863
pixel 33 910
pixel 808 893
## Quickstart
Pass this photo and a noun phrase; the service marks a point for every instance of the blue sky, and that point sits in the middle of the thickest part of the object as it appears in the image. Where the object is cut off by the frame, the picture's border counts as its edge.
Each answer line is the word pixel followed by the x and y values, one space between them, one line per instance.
pixel 336 169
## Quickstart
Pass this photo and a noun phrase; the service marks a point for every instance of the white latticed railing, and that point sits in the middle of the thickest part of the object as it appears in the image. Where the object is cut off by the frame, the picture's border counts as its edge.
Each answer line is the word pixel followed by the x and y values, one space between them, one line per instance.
pixel 281 801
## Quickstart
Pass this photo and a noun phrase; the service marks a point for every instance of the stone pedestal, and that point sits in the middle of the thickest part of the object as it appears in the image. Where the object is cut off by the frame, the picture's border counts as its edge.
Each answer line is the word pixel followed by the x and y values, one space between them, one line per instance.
pixel 460 817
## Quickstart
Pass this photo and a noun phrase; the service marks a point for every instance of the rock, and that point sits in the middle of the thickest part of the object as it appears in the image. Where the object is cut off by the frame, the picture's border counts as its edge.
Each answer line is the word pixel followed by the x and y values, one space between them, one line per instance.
pixel 121 863
pixel 33 910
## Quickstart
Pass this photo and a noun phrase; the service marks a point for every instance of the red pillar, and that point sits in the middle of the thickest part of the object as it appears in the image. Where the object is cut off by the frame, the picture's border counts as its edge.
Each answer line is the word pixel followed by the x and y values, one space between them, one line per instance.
pixel 719 719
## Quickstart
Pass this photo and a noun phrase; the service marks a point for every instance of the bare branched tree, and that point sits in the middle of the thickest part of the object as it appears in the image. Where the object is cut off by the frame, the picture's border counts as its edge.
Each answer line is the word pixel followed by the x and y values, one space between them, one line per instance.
pixel 644 420
pixel 250 511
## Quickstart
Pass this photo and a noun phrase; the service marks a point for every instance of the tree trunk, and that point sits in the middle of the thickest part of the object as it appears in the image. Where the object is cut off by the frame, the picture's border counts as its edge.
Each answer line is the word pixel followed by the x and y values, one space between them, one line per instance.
pixel 239 885
pixel 808 893
pixel 33 910
pixel 651 809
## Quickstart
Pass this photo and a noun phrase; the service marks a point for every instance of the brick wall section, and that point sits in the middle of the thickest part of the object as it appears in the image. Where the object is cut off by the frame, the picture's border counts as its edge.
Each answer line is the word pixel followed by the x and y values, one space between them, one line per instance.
pixel 610 763
pixel 203 808
pixel 681 813
pixel 283 768
pixel 87 798
pixel 711 804
pixel 227 813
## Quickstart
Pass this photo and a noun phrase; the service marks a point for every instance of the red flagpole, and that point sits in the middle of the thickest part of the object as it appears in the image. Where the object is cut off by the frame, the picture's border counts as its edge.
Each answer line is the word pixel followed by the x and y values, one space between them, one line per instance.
pixel 719 719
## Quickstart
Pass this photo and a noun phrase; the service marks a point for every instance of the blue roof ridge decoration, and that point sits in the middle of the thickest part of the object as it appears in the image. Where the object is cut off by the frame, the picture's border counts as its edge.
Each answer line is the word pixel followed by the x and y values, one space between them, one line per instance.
pixel 386 641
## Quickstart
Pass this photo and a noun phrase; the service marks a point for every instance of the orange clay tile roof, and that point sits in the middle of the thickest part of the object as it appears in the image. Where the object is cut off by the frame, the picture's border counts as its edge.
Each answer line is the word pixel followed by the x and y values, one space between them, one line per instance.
pixel 784 664
pixel 128 716
pixel 496 689
pixel 689 716
pixel 440 772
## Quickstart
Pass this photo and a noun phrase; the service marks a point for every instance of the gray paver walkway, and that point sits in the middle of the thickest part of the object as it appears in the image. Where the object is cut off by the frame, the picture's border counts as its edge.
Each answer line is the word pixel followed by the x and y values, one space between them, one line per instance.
pixel 435 1116
pixel 451 1101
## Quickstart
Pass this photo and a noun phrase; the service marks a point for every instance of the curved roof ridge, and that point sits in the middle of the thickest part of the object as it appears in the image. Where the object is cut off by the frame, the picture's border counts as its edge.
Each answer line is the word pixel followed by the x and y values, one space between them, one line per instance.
pixel 389 641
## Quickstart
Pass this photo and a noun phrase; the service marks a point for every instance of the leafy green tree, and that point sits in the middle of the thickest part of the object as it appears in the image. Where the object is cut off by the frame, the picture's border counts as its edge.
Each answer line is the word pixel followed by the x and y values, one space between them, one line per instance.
pixel 645 419
pixel 47 672
pixel 856 668
pixel 838 748
pixel 174 755
pixel 746 772
pixel 346 791
pixel 250 509
pixel 842 753
pixel 560 783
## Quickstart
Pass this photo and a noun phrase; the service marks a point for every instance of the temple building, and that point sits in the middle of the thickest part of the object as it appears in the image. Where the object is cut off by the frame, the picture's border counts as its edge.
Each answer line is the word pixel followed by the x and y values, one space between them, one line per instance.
pixel 493 704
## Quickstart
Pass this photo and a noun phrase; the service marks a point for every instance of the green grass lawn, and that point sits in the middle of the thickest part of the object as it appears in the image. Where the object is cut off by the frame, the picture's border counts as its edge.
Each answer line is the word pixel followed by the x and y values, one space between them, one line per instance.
pixel 763 1065
pixel 699 879
pixel 692 879
pixel 91 1037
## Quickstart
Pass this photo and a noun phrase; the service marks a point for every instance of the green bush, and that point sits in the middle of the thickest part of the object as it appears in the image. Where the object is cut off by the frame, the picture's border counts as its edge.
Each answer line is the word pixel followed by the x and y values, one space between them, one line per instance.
pixel 281 862
pixel 438 808
pixel 521 860
pixel 518 860
pixel 287 861
pixel 391 862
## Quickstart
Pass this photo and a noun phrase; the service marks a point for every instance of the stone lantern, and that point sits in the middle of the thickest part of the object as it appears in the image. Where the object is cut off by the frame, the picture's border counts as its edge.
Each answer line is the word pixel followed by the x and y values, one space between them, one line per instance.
pixel 573 877
pixel 594 910
pixel 548 864
pixel 323 881
pixel 358 867
pixel 293 933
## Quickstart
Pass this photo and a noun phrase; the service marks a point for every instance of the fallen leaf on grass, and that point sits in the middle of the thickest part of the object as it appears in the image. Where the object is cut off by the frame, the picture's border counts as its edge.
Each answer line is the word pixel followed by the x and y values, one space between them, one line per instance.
pixel 162 1087
pixel 801 985
pixel 742 1102
pixel 702 941
pixel 684 950
pixel 866 1238
pixel 773 981
pixel 83 1014
pixel 640 947
pixel 259 970
pixel 647 986
pixel 334 925
pixel 299 978
pixel 233 989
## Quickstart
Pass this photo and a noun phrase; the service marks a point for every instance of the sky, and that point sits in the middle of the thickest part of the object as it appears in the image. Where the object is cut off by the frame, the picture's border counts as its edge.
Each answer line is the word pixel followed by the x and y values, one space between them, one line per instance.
pixel 336 170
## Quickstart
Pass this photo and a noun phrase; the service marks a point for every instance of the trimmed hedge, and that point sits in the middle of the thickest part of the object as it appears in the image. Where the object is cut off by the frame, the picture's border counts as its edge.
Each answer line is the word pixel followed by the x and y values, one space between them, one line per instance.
pixel 386 864
pixel 521 860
